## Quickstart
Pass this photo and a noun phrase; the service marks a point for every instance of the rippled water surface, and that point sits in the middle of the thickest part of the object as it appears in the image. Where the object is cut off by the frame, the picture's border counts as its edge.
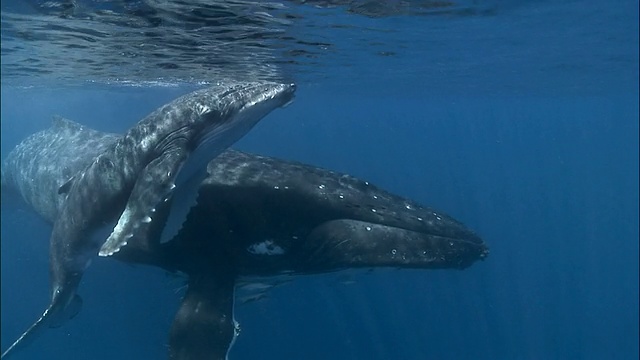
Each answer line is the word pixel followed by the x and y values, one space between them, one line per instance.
pixel 459 46
pixel 519 118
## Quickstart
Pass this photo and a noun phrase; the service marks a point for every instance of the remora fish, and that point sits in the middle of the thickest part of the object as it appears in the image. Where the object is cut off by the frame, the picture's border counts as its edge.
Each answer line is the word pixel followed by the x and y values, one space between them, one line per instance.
pixel 138 174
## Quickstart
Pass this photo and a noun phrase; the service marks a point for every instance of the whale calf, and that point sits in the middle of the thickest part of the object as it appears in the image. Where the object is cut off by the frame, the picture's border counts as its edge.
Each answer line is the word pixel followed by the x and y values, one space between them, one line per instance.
pixel 139 173
pixel 257 216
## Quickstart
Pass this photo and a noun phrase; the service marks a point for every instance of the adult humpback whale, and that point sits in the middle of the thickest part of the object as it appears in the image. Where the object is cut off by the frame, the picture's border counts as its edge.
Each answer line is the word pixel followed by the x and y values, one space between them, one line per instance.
pixel 255 216
pixel 259 216
pixel 137 174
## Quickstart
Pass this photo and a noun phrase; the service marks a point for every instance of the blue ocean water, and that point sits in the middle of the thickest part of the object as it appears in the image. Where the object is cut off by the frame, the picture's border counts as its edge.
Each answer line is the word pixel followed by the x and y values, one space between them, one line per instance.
pixel 522 123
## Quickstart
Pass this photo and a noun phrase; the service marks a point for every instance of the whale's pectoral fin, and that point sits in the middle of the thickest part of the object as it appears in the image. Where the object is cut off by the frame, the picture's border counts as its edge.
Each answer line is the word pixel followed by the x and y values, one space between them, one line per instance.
pixel 55 315
pixel 204 327
pixel 153 188
pixel 28 336
pixel 184 198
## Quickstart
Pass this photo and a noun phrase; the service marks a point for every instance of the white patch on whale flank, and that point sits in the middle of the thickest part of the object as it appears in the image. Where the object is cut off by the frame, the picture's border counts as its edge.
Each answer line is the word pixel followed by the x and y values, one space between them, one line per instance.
pixel 267 247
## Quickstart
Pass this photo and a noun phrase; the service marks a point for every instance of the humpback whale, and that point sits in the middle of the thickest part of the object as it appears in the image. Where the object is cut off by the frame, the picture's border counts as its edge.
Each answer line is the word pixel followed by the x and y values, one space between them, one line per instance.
pixel 139 173
pixel 256 216
pixel 260 216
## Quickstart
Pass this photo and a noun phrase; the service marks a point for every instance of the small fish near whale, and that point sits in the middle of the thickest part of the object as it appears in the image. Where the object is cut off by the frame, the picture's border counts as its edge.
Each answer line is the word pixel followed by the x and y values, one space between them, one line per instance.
pixel 256 216
pixel 137 174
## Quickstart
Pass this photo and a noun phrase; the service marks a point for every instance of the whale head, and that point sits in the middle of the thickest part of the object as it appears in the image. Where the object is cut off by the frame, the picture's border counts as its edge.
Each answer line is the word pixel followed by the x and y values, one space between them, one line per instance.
pixel 237 109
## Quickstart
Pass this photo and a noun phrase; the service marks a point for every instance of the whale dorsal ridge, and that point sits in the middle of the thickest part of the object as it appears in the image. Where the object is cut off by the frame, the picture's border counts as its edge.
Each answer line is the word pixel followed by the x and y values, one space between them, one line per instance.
pixel 64 123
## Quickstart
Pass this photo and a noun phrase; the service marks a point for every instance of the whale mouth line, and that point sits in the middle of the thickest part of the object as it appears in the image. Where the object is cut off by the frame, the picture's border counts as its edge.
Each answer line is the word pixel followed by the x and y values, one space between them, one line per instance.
pixel 287 103
pixel 468 238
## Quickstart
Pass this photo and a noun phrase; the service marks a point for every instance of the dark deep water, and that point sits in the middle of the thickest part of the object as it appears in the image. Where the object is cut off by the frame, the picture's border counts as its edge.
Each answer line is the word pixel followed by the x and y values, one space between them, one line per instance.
pixel 544 166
